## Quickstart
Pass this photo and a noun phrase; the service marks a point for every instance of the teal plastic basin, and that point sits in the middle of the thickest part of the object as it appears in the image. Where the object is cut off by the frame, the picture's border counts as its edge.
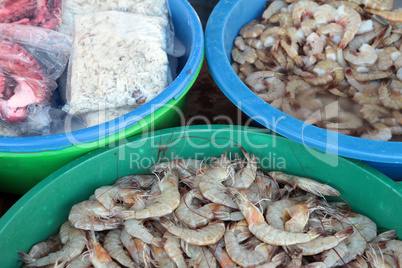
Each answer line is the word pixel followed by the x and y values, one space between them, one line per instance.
pixel 41 211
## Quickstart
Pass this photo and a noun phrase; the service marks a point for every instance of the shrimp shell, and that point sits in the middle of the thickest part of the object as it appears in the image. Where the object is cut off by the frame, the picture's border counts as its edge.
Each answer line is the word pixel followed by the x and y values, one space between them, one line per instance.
pixel 322 243
pixel 165 204
pixel 350 19
pixel 203 236
pixel 114 247
pixel 274 8
pixel 394 15
pixel 301 9
pixel 324 14
pixel 260 228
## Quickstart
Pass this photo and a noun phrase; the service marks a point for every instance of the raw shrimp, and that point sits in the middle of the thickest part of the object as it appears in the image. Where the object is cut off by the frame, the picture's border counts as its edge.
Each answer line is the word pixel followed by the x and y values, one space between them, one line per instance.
pixel 385 236
pixel 194 215
pixel 291 49
pixel 338 3
pixel 393 247
pixel 394 15
pixel 391 98
pixel 331 257
pixel 114 248
pixel 136 229
pixel 223 215
pixel 351 21
pixel 327 71
pixel 255 43
pixel 366 56
pixel 173 249
pixel 134 248
pixel 51 244
pixel 211 186
pixel 265 232
pixel 274 8
pixel 164 204
pixel 249 55
pixel 240 43
pixel 277 260
pixel 363 77
pixel 372 112
pixel 284 19
pixel 344 122
pixel 376 259
pixel 275 89
pixel 308 27
pixel 109 195
pixel 246 176
pixel 199 256
pixel 242 256
pixel 374 4
pixel 324 14
pixel 98 255
pixel 359 40
pixel 252 30
pixel 257 81
pixel 80 216
pixel 384 59
pixel 296 215
pixel 302 9
pixel 379 131
pixel 64 232
pixel 296 261
pixel 274 215
pixel 82 261
pixel 333 30
pixel 364 230
pixel 368 95
pixel 294 87
pixel 280 57
pixel 270 36
pixel 161 257
pixel 222 256
pixel 71 250
pixel 203 236
pixel 322 243
pixel 317 47
pixel 305 184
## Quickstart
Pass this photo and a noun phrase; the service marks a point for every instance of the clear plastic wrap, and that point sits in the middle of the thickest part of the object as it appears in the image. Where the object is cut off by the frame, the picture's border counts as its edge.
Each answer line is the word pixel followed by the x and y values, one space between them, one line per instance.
pixel 31 59
pixel 159 9
pixel 118 60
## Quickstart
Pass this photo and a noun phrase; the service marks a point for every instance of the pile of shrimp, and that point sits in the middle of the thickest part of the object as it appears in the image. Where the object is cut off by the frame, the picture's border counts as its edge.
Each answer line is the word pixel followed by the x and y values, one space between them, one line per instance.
pixel 302 56
pixel 215 213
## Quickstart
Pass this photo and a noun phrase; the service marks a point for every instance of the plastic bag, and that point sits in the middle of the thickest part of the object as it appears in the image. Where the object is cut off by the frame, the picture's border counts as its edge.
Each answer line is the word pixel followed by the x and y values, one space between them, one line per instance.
pixel 159 9
pixel 118 59
pixel 31 59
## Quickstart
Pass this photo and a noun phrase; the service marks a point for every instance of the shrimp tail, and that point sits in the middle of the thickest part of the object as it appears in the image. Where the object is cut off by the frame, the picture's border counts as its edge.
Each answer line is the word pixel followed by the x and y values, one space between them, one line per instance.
pixel 166 223
pixel 25 257
pixel 314 233
pixel 278 259
pixel 343 234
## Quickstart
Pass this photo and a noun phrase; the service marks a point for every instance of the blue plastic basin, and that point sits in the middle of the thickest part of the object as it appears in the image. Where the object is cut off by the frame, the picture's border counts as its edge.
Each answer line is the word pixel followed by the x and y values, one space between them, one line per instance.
pixel 24 161
pixel 223 26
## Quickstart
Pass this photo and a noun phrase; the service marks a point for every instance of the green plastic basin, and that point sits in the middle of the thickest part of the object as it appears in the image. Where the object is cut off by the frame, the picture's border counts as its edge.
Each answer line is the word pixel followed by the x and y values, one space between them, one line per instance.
pixel 24 161
pixel 41 211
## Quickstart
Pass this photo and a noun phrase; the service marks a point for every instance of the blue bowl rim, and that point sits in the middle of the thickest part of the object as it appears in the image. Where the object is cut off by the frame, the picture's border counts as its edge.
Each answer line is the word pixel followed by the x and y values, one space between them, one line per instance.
pixel 259 110
pixel 58 142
